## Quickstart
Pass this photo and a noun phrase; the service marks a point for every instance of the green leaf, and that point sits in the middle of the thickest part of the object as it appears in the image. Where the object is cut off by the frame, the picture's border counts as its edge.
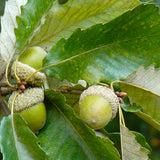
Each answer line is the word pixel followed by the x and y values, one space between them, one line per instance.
pixel 143 89
pixel 146 117
pixel 2 6
pixel 115 137
pixel 62 1
pixel 18 142
pixel 43 23
pixel 141 140
pixel 108 52
pixel 133 145
pixel 61 21
pixel 30 20
pixel 67 137
pixel 157 2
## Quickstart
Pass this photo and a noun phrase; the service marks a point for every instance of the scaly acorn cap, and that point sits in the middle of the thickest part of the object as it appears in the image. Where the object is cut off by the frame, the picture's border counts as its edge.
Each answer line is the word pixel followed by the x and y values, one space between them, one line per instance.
pixel 23 71
pixel 27 99
pixel 105 92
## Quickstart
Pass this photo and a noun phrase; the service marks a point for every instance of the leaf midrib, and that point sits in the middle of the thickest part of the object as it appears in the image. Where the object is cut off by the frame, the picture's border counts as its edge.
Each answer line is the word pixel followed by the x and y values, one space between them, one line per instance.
pixel 76 23
pixel 97 48
pixel 73 128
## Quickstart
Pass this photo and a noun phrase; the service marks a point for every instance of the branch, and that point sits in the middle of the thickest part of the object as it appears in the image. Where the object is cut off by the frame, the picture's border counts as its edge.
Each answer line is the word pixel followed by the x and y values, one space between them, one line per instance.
pixel 6 90
pixel 78 92
pixel 3 84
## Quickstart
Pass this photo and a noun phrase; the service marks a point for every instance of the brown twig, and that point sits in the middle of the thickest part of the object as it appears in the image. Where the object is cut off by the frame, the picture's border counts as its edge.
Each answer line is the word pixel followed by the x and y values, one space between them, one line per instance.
pixel 5 111
pixel 3 84
pixel 6 90
pixel 68 91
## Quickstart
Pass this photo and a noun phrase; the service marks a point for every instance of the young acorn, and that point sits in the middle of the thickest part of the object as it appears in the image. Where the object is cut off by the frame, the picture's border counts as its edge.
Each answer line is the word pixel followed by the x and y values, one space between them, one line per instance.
pixel 98 105
pixel 33 56
pixel 28 63
pixel 30 106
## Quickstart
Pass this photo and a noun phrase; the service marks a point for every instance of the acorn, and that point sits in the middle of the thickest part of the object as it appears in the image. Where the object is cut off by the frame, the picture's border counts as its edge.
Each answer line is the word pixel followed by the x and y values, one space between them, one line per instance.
pixel 33 56
pixel 98 105
pixel 23 71
pixel 30 106
pixel 29 62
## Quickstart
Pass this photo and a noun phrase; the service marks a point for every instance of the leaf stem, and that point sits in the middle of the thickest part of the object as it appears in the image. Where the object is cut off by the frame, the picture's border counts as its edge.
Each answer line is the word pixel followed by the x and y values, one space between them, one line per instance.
pixel 12 107
pixel 7 68
pixel 121 117
pixel 15 70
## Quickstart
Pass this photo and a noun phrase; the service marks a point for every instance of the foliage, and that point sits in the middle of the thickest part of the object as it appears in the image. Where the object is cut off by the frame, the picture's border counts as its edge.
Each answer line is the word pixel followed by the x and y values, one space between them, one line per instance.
pixel 96 41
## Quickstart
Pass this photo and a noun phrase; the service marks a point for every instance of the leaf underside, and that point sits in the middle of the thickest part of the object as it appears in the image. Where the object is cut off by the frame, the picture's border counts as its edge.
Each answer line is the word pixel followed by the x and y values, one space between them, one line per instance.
pixel 143 89
pixel 147 78
pixel 8 23
pixel 55 21
pixel 131 149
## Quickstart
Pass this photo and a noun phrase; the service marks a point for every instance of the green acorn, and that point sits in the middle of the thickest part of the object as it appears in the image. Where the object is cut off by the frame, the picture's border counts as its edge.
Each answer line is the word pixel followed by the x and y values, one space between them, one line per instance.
pixel 30 106
pixel 98 105
pixel 28 63
pixel 33 56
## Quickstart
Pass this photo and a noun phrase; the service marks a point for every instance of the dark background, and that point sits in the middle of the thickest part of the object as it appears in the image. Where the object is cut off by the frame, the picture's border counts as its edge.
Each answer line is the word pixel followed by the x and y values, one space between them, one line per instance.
pixel 2 4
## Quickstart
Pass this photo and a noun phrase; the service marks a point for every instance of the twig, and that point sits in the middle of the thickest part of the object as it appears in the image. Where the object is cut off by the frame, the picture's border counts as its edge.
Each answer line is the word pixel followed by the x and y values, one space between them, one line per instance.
pixel 3 84
pixel 5 111
pixel 68 91
pixel 6 90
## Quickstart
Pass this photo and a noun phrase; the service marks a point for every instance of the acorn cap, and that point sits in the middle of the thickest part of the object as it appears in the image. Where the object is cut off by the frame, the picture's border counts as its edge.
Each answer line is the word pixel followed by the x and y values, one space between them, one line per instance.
pixel 105 92
pixel 23 71
pixel 27 99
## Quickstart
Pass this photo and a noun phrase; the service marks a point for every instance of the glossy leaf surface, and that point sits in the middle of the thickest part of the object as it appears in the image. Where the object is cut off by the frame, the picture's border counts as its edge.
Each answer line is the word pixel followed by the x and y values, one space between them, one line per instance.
pixel 55 21
pixel 18 142
pixel 67 137
pixel 108 52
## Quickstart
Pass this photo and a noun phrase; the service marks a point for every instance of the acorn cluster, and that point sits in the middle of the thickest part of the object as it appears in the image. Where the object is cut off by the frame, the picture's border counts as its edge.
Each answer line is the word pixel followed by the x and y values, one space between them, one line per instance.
pixel 29 102
pixel 98 104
